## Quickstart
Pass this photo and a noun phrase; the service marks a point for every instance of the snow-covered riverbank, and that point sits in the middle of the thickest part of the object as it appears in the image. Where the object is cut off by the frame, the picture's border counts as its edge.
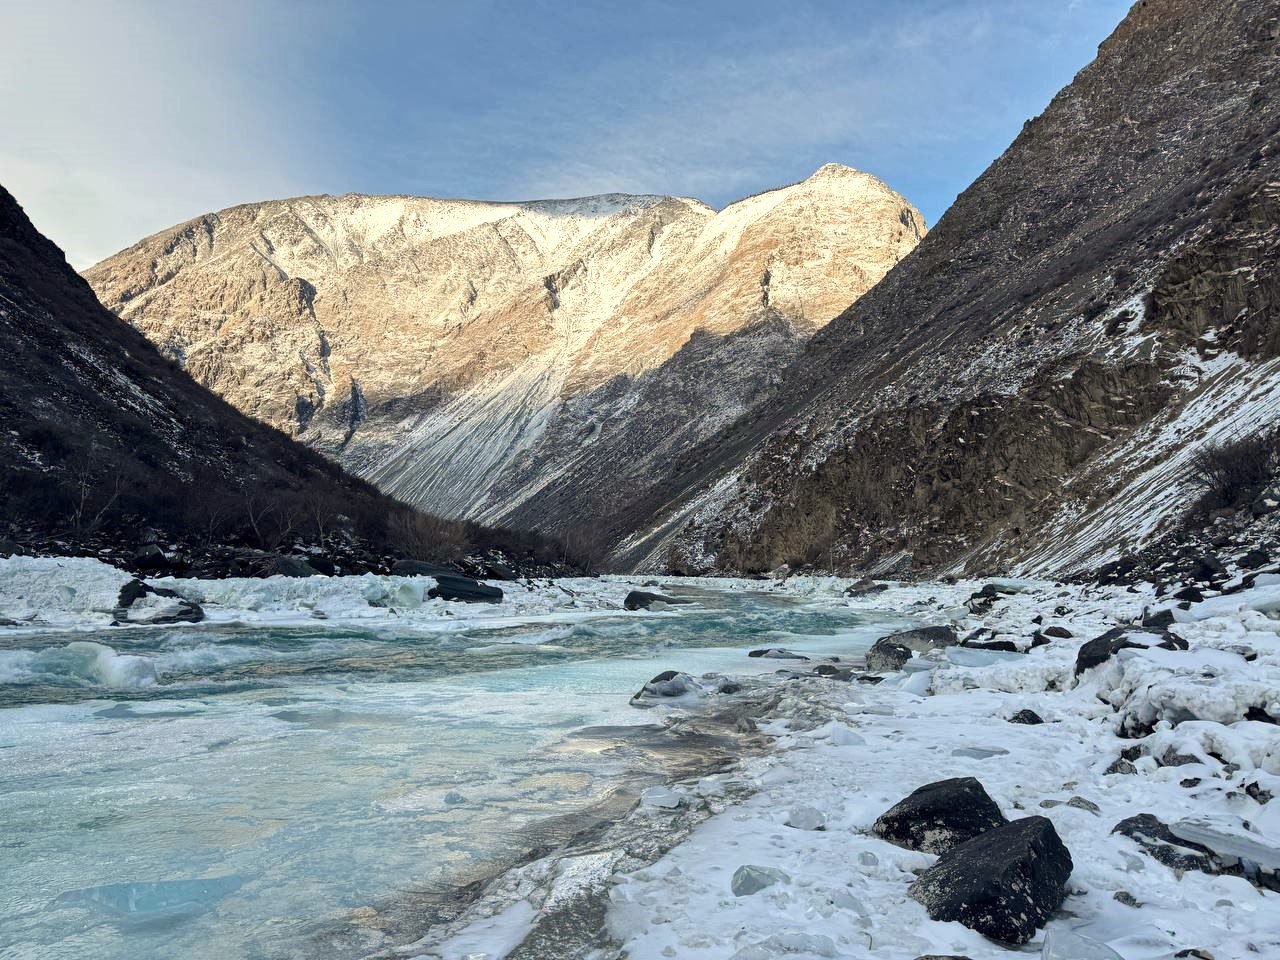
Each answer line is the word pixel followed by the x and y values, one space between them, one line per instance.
pixel 1200 753
pixel 1137 732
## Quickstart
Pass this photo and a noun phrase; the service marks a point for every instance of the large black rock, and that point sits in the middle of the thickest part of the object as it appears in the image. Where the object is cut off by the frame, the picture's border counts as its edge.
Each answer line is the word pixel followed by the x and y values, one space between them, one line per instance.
pixel 885 655
pixel 451 586
pixel 188 611
pixel 1101 649
pixel 939 816
pixel 1029 717
pixel 1004 883
pixel 1156 839
pixel 923 639
pixel 640 600
pixel 669 683
pixel 286 566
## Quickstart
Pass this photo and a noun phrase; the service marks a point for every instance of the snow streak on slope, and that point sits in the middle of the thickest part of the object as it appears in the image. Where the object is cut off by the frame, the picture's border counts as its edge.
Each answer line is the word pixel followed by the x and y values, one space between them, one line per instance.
pixel 1234 399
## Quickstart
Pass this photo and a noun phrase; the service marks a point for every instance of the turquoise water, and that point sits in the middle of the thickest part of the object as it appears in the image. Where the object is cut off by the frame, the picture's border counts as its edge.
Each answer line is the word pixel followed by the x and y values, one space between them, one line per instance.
pixel 238 793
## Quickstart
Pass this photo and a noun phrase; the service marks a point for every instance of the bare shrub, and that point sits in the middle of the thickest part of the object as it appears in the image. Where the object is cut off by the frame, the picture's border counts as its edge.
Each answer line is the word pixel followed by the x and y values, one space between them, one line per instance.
pixel 585 549
pixel 96 485
pixel 1231 473
pixel 421 536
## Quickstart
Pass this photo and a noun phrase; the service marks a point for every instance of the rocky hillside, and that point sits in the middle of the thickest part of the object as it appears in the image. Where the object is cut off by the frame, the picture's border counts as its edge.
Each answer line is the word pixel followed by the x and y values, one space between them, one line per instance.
pixel 1027 391
pixel 104 436
pixel 476 358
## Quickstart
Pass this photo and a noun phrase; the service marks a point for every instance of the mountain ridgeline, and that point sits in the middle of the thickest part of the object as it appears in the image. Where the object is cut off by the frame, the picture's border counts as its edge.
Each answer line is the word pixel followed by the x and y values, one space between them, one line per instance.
pixel 527 363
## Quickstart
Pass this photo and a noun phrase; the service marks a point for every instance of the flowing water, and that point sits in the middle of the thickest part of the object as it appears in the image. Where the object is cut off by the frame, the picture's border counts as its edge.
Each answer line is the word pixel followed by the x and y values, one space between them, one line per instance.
pixel 234 792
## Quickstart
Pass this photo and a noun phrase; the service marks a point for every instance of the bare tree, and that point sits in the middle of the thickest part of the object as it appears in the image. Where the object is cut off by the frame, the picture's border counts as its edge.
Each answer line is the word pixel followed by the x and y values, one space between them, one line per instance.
pixel 422 536
pixel 95 491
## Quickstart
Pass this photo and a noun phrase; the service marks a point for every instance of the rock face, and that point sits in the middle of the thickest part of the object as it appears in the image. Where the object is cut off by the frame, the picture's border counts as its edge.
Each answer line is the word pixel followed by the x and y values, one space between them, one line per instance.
pixel 1004 883
pixel 939 816
pixel 99 424
pixel 496 360
pixel 1024 391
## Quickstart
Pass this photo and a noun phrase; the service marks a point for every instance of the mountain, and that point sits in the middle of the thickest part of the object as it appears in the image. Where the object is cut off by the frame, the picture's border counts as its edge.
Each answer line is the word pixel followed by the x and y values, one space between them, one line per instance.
pixel 102 431
pixel 1028 390
pixel 528 363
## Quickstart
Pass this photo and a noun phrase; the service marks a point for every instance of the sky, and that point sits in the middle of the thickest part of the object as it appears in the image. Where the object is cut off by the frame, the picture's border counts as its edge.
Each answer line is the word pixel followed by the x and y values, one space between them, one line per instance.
pixel 123 117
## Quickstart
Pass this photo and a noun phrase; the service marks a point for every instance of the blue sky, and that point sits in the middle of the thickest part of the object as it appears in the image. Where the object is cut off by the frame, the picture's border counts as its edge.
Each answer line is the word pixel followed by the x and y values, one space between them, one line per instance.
pixel 124 116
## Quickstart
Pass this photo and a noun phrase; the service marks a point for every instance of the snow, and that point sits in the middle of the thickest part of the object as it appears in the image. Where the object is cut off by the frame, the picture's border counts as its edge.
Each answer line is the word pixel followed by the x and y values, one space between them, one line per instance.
pixel 757 879
pixel 53 593
pixel 779 860
pixel 59 591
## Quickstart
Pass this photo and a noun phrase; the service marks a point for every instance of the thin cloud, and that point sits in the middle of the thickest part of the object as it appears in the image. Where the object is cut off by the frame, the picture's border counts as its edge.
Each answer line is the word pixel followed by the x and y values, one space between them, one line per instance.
pixel 126 117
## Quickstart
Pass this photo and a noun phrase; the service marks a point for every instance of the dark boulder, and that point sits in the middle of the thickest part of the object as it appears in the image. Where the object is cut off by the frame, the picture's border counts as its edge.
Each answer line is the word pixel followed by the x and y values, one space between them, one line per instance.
pixel 1101 649
pixel 1004 883
pixel 641 600
pixel 496 570
pixel 135 589
pixel 1007 646
pixel 672 683
pixel 776 653
pixel 150 557
pixel 939 816
pixel 1159 842
pixel 452 586
pixel 185 611
pixel 284 566
pixel 923 639
pixel 419 568
pixel 885 656
pixel 1190 594
pixel 1158 620
pixel 1208 568
pixel 322 565
pixel 1057 633
pixel 1268 501
pixel 865 588
pixel 1255 558
pixel 1029 717
pixel 11 548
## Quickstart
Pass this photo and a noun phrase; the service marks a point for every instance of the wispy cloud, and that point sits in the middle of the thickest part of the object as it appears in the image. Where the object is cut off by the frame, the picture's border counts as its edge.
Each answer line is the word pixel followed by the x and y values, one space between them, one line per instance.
pixel 123 117
pixel 118 115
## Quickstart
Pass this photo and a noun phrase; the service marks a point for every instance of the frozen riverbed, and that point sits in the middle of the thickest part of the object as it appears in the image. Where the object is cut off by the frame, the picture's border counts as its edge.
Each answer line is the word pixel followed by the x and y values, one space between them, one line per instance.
pixel 246 786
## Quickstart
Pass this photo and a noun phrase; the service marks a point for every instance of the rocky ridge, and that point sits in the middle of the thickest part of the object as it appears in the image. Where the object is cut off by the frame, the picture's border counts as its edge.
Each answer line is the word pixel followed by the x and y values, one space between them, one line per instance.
pixel 469 355
pixel 1028 390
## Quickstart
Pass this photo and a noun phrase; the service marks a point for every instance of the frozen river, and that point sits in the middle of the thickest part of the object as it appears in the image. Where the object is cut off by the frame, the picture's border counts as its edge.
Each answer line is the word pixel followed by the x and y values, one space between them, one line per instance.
pixel 248 791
